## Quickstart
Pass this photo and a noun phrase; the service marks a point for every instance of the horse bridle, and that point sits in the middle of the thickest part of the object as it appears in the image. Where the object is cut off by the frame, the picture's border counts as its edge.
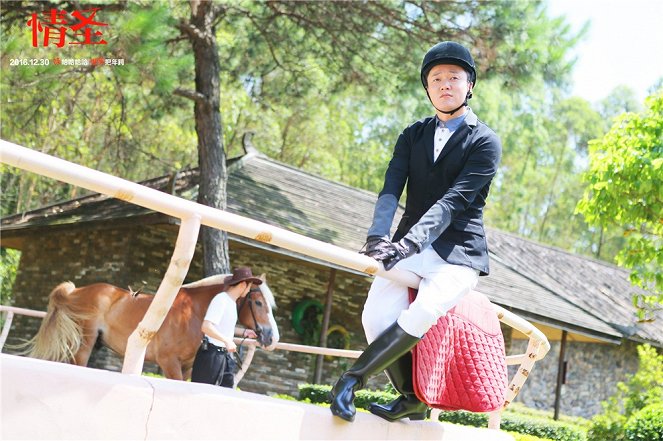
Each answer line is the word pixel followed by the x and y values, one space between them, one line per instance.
pixel 253 314
pixel 258 329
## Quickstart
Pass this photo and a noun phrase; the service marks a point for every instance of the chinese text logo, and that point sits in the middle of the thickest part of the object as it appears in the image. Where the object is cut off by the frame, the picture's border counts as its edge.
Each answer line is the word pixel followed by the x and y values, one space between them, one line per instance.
pixel 52 27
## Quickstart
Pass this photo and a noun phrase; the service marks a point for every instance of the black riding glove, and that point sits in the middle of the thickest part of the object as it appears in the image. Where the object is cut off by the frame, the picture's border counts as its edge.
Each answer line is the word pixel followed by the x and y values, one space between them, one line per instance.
pixel 398 251
pixel 376 246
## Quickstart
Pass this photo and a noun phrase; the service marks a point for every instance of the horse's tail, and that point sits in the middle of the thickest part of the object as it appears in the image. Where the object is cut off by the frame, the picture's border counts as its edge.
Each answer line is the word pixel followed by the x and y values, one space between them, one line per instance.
pixel 60 334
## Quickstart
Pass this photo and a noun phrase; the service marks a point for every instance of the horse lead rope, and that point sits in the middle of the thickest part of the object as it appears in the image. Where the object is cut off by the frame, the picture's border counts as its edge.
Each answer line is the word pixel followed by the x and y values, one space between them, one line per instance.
pixel 236 354
pixel 255 322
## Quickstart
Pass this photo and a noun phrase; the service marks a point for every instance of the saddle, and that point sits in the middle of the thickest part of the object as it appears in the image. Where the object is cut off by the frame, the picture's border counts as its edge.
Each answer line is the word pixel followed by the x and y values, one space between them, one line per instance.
pixel 460 363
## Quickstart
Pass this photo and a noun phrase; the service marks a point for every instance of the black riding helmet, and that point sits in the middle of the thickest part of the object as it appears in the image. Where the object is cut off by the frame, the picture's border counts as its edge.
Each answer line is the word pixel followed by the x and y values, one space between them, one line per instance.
pixel 449 52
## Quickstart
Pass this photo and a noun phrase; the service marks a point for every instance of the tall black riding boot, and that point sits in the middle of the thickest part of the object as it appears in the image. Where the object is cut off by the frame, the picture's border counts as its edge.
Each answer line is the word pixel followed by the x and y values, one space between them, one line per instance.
pixel 407 405
pixel 387 348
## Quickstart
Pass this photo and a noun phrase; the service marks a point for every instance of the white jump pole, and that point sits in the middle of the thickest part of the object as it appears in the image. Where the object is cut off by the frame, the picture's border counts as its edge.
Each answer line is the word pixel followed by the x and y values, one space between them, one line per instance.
pixel 185 246
pixel 46 165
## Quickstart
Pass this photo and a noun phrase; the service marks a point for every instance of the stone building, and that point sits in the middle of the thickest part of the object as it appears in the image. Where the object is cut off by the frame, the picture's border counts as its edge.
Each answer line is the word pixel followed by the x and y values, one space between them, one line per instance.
pixel 582 305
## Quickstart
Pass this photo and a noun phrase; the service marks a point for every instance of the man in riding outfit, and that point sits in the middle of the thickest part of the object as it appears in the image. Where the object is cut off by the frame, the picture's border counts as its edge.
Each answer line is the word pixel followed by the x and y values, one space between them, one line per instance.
pixel 448 162
pixel 213 363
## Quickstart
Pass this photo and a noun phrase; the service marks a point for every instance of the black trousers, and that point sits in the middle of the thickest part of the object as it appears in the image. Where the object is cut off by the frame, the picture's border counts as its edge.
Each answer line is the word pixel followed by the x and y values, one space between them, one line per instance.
pixel 213 365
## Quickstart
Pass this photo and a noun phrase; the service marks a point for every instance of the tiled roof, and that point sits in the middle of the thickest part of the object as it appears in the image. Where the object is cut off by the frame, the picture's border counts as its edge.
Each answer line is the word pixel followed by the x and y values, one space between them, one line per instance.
pixel 533 301
pixel 540 282
pixel 599 289
pixel 282 195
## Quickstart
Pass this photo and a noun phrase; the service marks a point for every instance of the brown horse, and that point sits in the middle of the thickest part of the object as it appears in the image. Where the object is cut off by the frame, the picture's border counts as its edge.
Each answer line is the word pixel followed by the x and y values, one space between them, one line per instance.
pixel 77 317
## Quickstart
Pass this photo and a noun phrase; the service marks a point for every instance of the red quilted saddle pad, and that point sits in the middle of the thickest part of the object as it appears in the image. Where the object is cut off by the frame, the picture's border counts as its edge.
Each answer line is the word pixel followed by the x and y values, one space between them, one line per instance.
pixel 460 363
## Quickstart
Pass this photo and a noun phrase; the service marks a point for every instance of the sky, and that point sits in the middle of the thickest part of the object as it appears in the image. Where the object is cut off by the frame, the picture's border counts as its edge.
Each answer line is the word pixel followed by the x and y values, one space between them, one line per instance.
pixel 624 44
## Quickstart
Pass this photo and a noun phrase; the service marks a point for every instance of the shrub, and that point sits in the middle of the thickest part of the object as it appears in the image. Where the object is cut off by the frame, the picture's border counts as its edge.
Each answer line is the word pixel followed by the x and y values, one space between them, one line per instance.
pixel 364 398
pixel 543 428
pixel 285 397
pixel 646 386
pixel 641 389
pixel 319 393
pixel 646 424
pixel 465 418
pixel 521 409
pixel 523 437
pixel 535 426
pixel 607 426
pixel 316 393
pixel 530 425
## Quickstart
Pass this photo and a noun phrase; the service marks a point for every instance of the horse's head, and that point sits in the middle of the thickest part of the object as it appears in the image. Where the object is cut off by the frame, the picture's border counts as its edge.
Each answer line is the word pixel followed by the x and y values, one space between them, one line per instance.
pixel 255 311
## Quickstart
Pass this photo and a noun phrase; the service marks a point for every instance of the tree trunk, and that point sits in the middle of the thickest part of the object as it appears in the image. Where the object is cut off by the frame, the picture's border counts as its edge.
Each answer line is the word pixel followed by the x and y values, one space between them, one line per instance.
pixel 211 154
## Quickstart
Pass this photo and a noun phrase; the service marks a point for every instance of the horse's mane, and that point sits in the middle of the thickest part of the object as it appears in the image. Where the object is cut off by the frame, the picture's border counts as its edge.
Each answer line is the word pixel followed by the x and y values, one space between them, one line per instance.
pixel 207 281
pixel 268 294
pixel 218 280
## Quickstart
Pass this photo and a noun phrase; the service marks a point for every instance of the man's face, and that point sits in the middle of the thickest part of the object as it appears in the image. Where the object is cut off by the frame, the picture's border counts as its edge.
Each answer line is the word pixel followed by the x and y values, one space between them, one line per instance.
pixel 246 289
pixel 448 86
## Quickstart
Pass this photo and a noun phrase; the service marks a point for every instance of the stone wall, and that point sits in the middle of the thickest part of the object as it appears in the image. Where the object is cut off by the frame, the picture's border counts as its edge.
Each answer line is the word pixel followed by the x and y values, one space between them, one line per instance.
pixel 138 257
pixel 127 257
pixel 592 372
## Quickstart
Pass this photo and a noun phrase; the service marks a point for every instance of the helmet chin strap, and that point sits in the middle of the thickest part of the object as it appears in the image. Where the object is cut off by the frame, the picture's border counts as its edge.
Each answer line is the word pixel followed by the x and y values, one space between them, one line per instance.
pixel 451 112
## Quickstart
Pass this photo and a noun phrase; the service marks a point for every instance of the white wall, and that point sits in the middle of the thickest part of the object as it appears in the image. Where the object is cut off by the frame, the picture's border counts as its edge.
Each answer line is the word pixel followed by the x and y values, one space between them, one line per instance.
pixel 46 400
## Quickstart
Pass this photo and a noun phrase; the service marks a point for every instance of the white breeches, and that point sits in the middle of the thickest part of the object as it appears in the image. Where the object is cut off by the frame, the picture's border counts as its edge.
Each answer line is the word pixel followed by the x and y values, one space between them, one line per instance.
pixel 442 286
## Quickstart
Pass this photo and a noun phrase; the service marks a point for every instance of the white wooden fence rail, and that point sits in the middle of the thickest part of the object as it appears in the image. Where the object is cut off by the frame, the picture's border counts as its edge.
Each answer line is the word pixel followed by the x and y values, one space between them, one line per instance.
pixel 192 215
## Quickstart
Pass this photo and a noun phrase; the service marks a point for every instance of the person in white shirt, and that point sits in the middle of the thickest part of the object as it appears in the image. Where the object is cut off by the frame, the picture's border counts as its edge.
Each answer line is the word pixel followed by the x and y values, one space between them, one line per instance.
pixel 213 363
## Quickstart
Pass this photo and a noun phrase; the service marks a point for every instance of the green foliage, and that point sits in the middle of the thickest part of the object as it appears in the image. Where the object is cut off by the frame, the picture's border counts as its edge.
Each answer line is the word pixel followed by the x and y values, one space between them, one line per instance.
pixel 112 118
pixel 643 388
pixel 524 437
pixel 344 128
pixel 620 100
pixel 465 418
pixel 607 426
pixel 521 409
pixel 311 326
pixel 646 385
pixel 316 393
pixel 543 428
pixel 646 424
pixel 288 398
pixel 544 138
pixel 511 421
pixel 325 86
pixel 541 49
pixel 625 189
pixel 8 265
pixel 152 375
pixel 526 424
pixel 319 393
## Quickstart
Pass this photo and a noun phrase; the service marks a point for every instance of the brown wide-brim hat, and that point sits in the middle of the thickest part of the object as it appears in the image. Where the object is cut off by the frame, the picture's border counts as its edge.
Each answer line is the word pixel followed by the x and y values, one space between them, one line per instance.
pixel 242 274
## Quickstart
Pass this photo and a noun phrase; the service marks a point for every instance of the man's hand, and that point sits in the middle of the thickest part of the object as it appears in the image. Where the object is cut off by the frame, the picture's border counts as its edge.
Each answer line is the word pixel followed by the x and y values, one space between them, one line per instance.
pixel 377 247
pixel 400 250
pixel 231 346
pixel 249 333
